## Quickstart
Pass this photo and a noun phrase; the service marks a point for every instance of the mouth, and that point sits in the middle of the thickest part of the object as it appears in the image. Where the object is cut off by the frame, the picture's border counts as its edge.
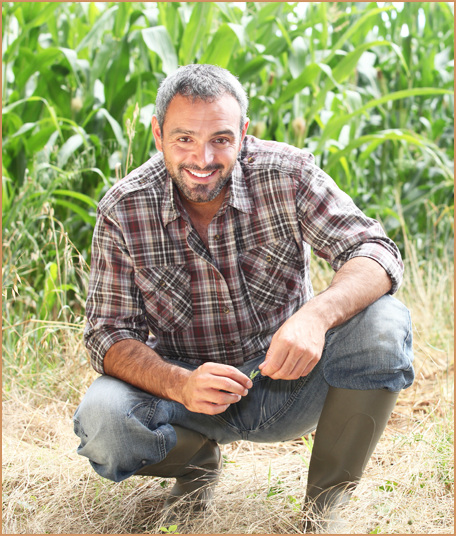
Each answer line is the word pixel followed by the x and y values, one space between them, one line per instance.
pixel 201 176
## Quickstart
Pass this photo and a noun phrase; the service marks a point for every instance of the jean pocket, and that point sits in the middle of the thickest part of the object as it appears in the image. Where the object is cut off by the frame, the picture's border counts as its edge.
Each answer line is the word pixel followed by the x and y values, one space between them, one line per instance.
pixel 272 273
pixel 167 296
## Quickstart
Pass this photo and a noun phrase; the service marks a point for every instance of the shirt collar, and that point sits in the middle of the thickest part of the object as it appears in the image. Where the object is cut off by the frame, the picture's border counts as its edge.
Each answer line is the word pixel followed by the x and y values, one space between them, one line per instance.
pixel 239 196
pixel 169 210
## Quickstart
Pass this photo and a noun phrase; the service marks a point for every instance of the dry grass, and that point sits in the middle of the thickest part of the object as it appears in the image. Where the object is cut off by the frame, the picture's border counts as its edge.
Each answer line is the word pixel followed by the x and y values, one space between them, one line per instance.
pixel 407 488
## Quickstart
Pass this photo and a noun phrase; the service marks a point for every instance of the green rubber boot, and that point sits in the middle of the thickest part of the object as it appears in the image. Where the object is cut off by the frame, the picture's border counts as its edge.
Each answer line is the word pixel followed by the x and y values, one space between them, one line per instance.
pixel 195 462
pixel 349 428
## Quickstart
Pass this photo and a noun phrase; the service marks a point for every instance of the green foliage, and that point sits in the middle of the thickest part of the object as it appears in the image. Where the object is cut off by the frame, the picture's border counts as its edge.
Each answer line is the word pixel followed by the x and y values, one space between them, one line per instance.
pixel 389 486
pixel 275 488
pixel 44 276
pixel 253 374
pixel 172 529
pixel 367 88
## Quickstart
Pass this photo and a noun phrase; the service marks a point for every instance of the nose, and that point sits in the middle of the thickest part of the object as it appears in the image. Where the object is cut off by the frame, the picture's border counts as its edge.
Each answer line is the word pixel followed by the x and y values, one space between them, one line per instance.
pixel 203 155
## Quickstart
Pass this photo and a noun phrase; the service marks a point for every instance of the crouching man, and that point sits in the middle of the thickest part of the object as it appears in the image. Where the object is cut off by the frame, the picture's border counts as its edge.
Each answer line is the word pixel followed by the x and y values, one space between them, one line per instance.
pixel 200 275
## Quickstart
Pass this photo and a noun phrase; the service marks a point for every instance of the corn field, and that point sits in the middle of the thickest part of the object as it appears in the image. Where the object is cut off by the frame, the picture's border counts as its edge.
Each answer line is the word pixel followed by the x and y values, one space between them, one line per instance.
pixel 366 87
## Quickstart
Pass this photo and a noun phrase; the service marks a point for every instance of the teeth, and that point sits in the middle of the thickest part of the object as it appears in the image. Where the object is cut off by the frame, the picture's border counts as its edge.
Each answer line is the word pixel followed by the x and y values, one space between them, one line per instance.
pixel 201 175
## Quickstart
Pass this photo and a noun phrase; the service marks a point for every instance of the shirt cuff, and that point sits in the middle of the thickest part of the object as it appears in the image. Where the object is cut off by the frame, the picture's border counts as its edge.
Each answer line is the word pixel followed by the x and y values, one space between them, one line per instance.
pixel 99 342
pixel 391 262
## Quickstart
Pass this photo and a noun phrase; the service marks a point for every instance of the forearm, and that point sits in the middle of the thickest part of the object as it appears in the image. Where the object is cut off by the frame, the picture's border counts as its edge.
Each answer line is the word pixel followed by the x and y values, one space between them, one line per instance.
pixel 360 282
pixel 210 388
pixel 137 364
pixel 297 346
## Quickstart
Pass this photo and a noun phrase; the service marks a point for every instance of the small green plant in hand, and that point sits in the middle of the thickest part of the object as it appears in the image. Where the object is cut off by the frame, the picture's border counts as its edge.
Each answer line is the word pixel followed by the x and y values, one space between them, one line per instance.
pixel 253 374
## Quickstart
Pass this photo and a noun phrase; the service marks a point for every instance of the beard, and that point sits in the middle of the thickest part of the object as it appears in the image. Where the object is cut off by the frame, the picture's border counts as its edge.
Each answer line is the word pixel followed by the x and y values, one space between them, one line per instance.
pixel 199 193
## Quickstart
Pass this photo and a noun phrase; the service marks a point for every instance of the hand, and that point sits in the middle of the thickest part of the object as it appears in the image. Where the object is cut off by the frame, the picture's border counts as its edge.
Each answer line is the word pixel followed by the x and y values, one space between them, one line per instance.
pixel 212 387
pixel 296 347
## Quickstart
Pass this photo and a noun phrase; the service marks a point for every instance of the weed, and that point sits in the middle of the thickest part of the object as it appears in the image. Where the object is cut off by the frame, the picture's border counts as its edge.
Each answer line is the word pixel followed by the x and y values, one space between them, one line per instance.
pixel 253 374
pixel 388 487
pixel 172 529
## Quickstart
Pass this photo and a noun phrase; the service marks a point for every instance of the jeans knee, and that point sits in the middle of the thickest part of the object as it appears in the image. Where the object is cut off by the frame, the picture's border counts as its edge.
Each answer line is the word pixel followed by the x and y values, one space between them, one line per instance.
pixel 101 407
pixel 388 322
pixel 373 349
pixel 121 429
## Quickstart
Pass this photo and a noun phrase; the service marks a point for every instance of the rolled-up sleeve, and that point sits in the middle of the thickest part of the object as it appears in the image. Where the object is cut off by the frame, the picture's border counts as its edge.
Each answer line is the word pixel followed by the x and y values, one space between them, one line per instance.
pixel 114 308
pixel 337 230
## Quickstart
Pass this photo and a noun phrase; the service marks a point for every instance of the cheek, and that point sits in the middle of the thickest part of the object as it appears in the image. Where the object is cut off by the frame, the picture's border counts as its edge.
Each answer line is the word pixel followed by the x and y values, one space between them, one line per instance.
pixel 228 154
pixel 176 155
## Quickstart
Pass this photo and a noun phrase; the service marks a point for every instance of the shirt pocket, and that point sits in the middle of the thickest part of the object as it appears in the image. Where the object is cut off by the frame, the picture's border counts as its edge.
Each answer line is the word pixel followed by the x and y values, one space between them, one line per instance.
pixel 167 296
pixel 273 274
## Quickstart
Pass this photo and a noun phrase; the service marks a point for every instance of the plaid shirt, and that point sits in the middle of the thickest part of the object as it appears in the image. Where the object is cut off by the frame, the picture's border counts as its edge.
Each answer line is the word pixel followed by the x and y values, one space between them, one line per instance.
pixel 152 278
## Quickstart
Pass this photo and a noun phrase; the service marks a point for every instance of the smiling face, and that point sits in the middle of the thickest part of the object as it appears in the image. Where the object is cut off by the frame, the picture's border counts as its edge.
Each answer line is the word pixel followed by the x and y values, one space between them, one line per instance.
pixel 200 143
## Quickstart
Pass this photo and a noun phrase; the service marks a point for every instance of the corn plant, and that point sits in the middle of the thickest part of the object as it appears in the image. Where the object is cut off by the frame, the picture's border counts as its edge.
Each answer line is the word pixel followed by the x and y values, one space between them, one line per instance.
pixel 366 87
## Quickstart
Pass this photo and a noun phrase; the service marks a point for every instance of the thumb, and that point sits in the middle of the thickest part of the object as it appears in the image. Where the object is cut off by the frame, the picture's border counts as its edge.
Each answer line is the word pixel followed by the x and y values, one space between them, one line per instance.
pixel 267 358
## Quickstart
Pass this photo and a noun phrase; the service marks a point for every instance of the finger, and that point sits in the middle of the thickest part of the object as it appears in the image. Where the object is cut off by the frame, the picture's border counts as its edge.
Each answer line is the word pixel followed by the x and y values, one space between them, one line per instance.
pixel 209 408
pixel 228 371
pixel 213 395
pixel 293 360
pixel 275 357
pixel 226 385
pixel 221 397
pixel 301 369
pixel 309 368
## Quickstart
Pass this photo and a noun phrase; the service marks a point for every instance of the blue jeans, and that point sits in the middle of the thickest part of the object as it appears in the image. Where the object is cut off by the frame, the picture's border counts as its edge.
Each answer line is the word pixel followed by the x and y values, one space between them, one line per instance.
pixel 123 428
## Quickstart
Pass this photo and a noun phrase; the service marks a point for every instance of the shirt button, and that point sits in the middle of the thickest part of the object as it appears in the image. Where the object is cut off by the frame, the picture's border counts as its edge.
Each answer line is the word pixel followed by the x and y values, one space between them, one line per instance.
pixel 269 258
pixel 232 343
pixel 217 237
pixel 162 283
pixel 226 310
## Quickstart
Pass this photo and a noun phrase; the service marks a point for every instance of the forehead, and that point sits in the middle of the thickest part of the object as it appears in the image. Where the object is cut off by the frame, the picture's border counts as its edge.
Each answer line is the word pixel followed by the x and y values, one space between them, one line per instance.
pixel 186 112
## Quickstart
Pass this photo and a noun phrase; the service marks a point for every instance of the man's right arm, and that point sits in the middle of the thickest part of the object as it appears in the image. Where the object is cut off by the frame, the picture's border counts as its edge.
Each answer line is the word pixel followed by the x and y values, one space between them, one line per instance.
pixel 117 331
pixel 202 390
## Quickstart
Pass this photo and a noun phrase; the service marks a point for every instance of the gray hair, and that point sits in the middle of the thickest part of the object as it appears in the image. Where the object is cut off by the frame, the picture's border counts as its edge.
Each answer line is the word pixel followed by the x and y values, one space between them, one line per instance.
pixel 205 82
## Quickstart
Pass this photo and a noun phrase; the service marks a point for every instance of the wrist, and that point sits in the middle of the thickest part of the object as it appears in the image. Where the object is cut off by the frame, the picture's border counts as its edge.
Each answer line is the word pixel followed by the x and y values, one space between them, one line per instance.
pixel 178 378
pixel 324 312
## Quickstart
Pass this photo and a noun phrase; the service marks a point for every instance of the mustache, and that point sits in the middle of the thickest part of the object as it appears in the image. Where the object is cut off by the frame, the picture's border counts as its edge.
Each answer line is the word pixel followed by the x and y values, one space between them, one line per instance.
pixel 207 169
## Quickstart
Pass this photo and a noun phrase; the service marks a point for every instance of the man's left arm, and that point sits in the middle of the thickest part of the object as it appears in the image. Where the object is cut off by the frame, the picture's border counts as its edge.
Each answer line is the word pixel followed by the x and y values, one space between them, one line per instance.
pixel 367 264
pixel 297 346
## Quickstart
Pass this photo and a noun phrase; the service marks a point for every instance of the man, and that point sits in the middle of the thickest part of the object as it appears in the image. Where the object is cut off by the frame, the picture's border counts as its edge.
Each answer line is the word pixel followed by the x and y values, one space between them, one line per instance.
pixel 200 276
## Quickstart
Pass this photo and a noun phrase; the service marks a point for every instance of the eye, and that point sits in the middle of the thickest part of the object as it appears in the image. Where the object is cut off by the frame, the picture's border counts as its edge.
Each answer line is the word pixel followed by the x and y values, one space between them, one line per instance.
pixel 221 141
pixel 183 139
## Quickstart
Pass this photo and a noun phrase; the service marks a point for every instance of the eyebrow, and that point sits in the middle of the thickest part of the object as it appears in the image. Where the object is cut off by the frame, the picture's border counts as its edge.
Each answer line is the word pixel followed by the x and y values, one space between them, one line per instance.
pixel 226 132
pixel 182 131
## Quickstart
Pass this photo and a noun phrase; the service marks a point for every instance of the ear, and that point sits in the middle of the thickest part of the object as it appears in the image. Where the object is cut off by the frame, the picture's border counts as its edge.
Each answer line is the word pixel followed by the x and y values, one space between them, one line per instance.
pixel 244 132
pixel 157 133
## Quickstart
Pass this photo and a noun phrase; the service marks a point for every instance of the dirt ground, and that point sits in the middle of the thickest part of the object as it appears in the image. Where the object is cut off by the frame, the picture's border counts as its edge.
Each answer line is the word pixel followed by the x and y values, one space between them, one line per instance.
pixel 408 486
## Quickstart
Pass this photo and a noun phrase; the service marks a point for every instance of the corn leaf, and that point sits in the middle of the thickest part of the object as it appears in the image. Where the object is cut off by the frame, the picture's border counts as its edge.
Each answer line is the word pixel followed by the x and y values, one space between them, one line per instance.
pixel 158 40
pixel 191 39
pixel 334 124
pixel 83 214
pixel 221 47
